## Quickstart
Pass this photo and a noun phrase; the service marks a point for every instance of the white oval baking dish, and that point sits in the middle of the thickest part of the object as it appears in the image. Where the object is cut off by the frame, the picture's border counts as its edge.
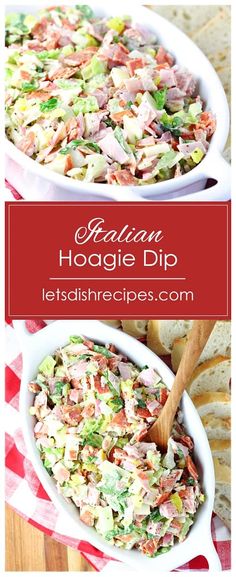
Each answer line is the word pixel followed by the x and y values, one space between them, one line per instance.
pixel 36 182
pixel 34 348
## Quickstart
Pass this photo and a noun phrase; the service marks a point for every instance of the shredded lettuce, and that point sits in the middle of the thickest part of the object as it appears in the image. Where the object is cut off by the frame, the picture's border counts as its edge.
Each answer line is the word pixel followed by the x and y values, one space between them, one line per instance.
pixel 47 366
pixel 89 104
pixel 94 68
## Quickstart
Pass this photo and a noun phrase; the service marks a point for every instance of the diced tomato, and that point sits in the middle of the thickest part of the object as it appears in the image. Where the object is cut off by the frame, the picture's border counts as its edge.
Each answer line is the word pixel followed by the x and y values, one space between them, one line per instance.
pixel 87 517
pixel 187 441
pixel 119 116
pixel 136 385
pixel 120 419
pixel 124 177
pixel 164 57
pixel 98 386
pixel 162 498
pixel 113 363
pixel 144 413
pixel 25 75
pixel 191 467
pixel 116 455
pixel 174 144
pixel 163 396
pixel 88 344
pixel 208 122
pixel 81 57
pixel 112 348
pixel 125 538
pixel 149 547
pixel 88 411
pixel 133 64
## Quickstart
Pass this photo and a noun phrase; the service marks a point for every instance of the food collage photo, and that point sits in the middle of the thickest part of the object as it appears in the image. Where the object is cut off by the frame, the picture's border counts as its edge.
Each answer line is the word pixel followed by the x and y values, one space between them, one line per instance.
pixel 116 206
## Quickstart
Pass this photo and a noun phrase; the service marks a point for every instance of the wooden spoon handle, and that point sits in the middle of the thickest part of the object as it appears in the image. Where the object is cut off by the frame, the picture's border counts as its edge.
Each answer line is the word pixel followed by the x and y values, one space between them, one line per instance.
pixel 196 342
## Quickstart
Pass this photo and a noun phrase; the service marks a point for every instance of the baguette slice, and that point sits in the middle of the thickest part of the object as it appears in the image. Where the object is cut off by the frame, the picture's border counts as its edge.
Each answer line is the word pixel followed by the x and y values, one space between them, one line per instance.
pixel 222 505
pixel 207 38
pixel 217 404
pixel 219 343
pixel 216 427
pixel 162 334
pixel 211 376
pixel 221 448
pixel 136 329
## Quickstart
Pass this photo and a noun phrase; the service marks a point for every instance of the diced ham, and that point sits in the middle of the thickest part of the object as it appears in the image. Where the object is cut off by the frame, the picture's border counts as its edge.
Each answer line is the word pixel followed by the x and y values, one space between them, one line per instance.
pixel 60 473
pixel 74 395
pixel 167 540
pixel 154 407
pixel 184 80
pixel 116 53
pixel 34 387
pixel 88 411
pixel 188 147
pixel 175 99
pixel 28 144
pixel 146 114
pixel 77 370
pixel 168 481
pixel 134 85
pixel 148 377
pixel 168 510
pixel 167 77
pixel 188 497
pixel 125 370
pixel 93 495
pixel 110 146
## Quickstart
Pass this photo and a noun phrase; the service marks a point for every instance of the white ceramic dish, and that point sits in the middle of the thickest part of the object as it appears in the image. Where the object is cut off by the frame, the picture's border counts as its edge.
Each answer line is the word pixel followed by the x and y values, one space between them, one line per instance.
pixel 36 182
pixel 37 346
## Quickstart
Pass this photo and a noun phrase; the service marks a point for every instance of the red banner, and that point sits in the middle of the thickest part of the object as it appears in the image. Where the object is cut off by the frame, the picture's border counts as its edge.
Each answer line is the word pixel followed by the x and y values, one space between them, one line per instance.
pixel 124 260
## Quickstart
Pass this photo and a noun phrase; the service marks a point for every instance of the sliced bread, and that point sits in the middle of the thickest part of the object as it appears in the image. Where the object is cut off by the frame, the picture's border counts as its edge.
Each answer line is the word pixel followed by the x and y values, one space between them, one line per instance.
pixel 136 329
pixel 216 427
pixel 221 448
pixel 162 334
pixel 219 343
pixel 211 376
pixel 222 505
pixel 214 39
pixel 216 403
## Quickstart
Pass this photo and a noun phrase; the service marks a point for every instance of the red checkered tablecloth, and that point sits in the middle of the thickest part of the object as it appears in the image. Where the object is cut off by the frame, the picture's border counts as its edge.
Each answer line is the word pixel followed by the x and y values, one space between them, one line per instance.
pixel 26 495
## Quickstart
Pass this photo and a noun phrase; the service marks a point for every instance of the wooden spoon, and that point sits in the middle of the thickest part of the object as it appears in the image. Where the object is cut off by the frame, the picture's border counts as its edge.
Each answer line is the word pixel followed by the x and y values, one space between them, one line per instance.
pixel 160 431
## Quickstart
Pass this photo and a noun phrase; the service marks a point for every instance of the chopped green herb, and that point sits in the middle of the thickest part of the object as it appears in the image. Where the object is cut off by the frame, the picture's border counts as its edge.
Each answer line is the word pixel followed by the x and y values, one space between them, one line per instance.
pixel 75 143
pixel 160 98
pixel 51 104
